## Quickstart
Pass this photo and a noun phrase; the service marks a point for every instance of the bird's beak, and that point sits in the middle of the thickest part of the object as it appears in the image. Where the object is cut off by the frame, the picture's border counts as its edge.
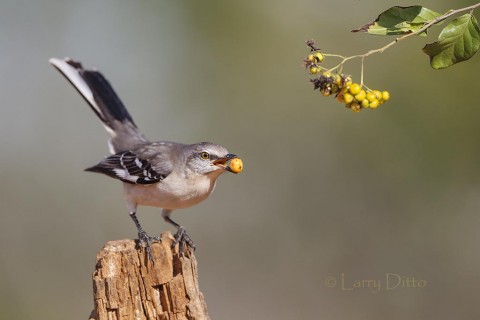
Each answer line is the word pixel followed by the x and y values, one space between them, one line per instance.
pixel 222 162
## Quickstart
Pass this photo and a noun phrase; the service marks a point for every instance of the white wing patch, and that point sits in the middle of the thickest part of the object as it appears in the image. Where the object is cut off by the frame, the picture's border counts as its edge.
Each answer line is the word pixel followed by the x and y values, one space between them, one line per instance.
pixel 138 163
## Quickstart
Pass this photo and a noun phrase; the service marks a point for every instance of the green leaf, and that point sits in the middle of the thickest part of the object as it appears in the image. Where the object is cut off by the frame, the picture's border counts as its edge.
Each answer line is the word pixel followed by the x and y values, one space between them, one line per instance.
pixel 399 20
pixel 457 42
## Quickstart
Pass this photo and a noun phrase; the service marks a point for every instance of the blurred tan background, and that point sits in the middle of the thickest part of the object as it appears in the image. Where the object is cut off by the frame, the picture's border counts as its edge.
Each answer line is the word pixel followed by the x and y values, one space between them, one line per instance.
pixel 325 192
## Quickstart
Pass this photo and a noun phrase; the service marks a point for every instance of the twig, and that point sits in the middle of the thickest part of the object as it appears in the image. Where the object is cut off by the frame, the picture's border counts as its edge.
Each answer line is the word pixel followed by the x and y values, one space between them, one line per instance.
pixel 425 27
pixel 382 49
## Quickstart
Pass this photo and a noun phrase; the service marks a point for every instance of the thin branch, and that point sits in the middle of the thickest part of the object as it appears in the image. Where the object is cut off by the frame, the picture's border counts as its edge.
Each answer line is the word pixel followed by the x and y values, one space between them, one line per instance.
pixel 361 73
pixel 421 30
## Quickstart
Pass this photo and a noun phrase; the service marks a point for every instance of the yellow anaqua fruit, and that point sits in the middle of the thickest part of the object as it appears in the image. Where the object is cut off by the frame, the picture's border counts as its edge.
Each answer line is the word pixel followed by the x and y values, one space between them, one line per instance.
pixel 337 79
pixel 355 88
pixel 311 58
pixel 236 165
pixel 361 95
pixel 377 94
pixel 347 97
pixel 374 104
pixel 319 56
pixel 370 96
pixel 314 70
pixel 365 103
pixel 385 95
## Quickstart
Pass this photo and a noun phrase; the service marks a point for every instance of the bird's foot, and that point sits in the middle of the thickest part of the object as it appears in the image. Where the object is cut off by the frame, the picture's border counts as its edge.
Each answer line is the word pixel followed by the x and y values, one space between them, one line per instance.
pixel 183 239
pixel 144 240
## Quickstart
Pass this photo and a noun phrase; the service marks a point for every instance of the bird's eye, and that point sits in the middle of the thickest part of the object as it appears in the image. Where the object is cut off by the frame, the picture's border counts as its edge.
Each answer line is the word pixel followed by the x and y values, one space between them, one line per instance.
pixel 205 155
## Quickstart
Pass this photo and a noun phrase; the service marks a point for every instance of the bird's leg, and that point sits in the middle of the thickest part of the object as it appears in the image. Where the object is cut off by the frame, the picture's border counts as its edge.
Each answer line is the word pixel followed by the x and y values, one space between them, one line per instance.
pixel 181 236
pixel 143 237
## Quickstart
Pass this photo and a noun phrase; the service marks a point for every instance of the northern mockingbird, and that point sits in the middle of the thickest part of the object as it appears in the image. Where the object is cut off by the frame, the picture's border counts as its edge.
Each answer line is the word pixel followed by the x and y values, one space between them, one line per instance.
pixel 162 174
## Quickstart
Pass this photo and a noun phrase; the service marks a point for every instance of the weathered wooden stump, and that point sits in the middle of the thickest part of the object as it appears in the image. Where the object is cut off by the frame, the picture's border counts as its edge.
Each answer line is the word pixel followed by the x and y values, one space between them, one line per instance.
pixel 127 285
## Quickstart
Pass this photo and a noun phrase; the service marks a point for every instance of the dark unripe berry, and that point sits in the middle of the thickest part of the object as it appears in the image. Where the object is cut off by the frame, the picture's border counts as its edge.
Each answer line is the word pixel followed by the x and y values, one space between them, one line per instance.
pixel 335 88
pixel 355 107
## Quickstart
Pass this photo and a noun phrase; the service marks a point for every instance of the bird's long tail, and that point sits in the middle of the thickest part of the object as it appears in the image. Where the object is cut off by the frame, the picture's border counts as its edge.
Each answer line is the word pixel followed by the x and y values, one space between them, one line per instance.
pixel 103 100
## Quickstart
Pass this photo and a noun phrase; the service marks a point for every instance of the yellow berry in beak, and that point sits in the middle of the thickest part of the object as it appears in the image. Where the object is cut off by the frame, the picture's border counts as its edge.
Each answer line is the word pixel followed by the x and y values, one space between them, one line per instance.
pixel 236 165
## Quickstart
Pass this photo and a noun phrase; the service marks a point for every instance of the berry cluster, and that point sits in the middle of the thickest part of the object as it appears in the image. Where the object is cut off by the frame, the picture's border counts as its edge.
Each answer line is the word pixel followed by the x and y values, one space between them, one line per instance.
pixel 352 94
pixel 356 99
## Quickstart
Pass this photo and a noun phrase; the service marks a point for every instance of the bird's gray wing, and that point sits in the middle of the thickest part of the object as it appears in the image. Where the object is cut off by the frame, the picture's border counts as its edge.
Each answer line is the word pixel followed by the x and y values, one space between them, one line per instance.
pixel 129 167
pixel 147 164
pixel 162 155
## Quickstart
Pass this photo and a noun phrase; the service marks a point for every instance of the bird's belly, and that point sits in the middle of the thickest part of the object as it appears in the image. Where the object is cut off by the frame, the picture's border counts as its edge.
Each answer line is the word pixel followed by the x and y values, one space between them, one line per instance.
pixel 168 195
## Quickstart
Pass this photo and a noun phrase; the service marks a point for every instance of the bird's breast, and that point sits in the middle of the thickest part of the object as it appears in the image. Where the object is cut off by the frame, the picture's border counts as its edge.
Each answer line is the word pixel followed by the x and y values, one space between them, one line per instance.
pixel 171 193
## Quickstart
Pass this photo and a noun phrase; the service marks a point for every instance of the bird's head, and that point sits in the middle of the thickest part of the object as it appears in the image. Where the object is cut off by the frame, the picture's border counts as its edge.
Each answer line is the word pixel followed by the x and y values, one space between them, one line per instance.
pixel 209 158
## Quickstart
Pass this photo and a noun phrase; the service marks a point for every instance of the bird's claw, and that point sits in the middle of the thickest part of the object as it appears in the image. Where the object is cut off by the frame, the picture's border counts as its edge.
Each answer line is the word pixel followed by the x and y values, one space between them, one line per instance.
pixel 183 239
pixel 144 240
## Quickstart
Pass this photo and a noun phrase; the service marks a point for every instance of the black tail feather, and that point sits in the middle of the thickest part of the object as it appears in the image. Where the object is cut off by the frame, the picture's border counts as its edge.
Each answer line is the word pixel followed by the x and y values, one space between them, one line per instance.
pixel 106 98
pixel 96 90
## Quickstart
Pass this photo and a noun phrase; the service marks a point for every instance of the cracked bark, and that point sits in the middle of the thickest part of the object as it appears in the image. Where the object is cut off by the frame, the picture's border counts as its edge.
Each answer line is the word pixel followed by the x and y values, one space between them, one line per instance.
pixel 126 285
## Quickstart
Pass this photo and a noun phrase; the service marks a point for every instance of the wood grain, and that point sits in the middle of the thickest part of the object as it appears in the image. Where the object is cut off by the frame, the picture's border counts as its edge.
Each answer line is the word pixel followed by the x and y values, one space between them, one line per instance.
pixel 127 285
